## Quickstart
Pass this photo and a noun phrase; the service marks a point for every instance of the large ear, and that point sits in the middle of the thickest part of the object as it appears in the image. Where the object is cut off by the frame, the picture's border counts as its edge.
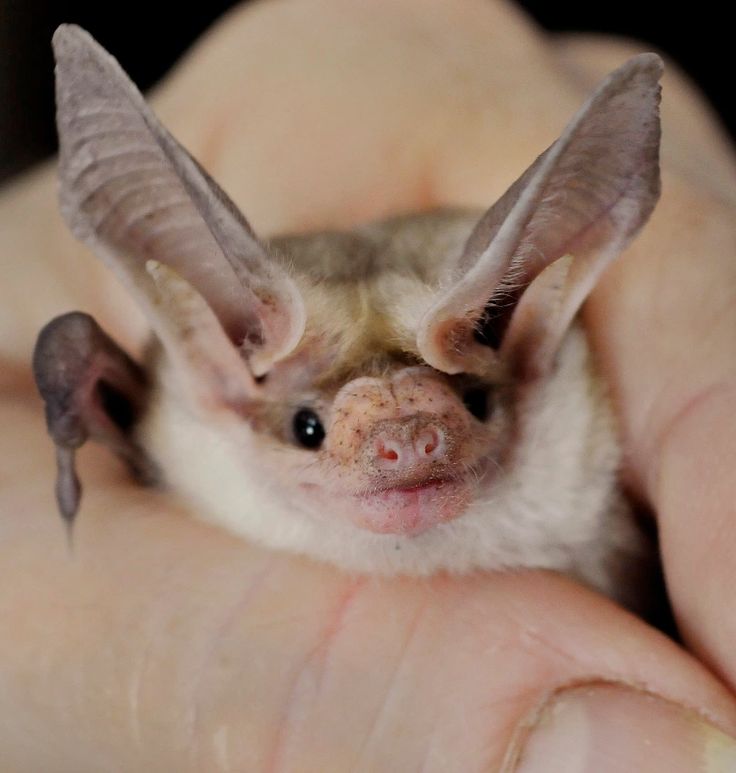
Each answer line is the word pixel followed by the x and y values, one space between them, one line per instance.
pixel 92 389
pixel 536 254
pixel 133 194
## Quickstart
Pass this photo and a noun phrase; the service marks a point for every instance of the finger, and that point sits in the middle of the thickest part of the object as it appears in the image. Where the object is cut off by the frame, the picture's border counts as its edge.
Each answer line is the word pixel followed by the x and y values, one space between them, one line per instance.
pixel 366 134
pixel 665 323
pixel 401 110
pixel 162 644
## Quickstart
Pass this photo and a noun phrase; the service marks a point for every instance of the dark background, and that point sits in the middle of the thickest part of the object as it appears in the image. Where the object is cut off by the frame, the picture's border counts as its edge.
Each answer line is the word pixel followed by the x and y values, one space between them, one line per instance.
pixel 149 36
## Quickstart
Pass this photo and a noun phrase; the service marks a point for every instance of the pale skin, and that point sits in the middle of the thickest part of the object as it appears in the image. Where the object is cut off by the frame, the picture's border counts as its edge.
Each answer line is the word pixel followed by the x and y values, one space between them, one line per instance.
pixel 163 644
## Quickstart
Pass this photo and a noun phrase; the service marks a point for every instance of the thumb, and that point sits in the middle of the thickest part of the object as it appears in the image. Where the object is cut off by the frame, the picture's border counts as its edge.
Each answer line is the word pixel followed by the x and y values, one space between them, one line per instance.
pixel 611 728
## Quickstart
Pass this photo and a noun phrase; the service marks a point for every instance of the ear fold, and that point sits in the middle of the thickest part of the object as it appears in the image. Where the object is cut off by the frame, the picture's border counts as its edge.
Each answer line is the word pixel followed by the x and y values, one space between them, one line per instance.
pixel 133 194
pixel 580 203
pixel 92 389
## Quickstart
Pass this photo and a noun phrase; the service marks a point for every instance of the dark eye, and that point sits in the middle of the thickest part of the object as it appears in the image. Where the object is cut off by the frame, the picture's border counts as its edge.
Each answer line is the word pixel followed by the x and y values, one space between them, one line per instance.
pixel 476 401
pixel 308 429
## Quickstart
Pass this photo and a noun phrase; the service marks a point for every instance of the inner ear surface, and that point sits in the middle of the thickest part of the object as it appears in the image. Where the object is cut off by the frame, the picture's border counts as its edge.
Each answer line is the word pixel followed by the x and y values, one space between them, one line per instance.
pixel 118 406
pixel 492 326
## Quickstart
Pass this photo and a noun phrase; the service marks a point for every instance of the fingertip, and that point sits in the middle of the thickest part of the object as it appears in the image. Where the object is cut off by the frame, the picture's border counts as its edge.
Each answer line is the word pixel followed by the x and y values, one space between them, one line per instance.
pixel 608 728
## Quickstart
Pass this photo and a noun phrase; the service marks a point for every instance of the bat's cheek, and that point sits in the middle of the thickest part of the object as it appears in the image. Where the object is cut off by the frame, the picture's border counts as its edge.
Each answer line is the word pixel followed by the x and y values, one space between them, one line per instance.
pixel 410 511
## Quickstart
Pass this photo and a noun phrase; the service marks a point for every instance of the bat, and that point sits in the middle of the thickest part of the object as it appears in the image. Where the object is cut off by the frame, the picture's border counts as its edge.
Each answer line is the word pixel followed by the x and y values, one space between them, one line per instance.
pixel 411 396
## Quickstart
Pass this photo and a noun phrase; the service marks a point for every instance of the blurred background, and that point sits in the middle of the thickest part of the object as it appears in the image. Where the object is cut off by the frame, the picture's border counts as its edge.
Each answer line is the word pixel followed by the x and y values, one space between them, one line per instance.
pixel 148 43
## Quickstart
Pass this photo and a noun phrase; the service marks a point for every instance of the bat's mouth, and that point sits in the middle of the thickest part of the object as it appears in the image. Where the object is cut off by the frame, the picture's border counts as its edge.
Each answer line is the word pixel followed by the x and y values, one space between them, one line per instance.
pixel 411 509
pixel 413 505
pixel 420 486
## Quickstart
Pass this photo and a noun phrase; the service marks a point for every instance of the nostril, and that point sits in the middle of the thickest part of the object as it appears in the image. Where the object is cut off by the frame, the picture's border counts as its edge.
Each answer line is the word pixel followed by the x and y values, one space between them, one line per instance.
pixel 387 450
pixel 429 443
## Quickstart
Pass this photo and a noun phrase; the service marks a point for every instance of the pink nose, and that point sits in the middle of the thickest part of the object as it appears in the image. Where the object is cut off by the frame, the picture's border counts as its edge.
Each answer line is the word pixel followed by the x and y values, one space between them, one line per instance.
pixel 396 450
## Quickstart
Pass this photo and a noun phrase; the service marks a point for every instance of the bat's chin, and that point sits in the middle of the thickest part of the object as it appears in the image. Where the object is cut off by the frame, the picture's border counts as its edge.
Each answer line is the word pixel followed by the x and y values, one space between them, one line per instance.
pixel 411 510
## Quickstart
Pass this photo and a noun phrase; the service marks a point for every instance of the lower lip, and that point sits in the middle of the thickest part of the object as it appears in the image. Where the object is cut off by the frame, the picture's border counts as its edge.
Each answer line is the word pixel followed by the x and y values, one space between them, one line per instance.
pixel 412 510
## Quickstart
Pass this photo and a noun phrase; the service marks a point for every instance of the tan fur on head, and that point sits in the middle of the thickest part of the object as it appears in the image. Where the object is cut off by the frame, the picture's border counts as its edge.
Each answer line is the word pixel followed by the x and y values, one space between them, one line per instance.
pixel 366 291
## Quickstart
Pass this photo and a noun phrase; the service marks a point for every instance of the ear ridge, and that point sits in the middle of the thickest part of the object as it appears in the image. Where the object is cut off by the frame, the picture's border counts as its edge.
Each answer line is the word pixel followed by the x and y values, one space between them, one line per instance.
pixel 207 362
pixel 130 191
pixel 587 195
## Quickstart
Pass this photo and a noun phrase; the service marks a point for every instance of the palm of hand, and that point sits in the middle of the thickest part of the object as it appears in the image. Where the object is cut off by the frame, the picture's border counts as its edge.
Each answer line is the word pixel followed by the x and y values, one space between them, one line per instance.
pixel 175 646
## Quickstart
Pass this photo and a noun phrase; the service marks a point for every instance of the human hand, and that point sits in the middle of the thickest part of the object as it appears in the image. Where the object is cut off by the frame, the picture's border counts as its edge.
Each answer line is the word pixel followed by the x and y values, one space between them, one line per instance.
pixel 164 644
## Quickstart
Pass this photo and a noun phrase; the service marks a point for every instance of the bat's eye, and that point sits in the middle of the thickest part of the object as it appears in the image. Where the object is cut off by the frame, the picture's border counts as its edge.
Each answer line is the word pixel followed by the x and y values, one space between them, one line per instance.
pixel 308 429
pixel 476 401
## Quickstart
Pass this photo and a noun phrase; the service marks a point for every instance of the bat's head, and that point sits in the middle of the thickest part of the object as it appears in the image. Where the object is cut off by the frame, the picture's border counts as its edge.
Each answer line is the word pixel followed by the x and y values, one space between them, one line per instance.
pixel 353 424
pixel 347 395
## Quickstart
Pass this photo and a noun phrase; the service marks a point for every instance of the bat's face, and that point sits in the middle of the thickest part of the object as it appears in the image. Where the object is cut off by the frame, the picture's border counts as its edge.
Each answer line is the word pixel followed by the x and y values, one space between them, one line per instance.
pixel 352 430
pixel 350 394
pixel 405 450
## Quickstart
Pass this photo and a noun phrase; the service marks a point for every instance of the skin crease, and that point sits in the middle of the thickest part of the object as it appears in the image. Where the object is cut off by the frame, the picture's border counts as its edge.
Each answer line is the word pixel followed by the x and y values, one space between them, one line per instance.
pixel 162 644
